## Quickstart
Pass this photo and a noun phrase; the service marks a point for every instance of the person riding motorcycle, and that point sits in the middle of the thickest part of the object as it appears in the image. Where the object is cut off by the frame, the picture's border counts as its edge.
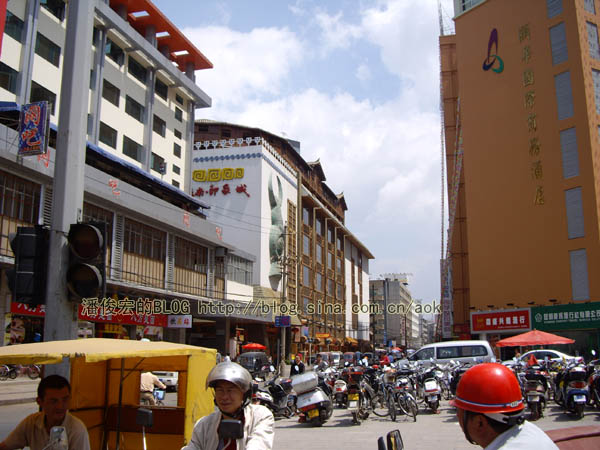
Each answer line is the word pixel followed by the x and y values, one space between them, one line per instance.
pixel 232 385
pixel 490 410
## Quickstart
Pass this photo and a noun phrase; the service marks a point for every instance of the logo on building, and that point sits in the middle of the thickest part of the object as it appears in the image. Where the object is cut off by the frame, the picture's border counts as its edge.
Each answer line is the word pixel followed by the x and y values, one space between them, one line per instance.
pixel 492 58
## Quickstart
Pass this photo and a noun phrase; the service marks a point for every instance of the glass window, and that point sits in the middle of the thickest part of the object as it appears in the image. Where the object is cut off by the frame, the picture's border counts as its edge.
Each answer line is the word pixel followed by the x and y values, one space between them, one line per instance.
pixel 178 114
pixel 319 226
pixel 329 260
pixel 40 94
pixel 569 153
pixel 13 26
pixel 175 183
pixel 8 78
pixel 161 89
pixel 340 291
pixel 338 265
pixel 111 93
pixel 305 276
pixel 423 354
pixel 114 52
pixel 580 284
pixel 108 135
pixel 319 282
pixel 136 70
pixel 307 216
pixel 47 49
pixel 132 149
pixel 319 254
pixel 177 133
pixel 179 99
pixel 592 32
pixel 176 169
pixel 134 109
pixel 554 8
pixel 144 240
pixel 589 6
pixel 177 150
pixel 19 198
pixel 339 243
pixel 306 244
pixel 305 303
pixel 159 126
pixel 574 206
pixel 330 287
pixel 56 8
pixel 158 163
pixel 330 235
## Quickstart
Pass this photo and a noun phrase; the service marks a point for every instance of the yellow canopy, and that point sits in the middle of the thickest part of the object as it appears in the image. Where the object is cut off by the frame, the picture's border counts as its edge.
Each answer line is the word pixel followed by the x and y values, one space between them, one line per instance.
pixel 93 350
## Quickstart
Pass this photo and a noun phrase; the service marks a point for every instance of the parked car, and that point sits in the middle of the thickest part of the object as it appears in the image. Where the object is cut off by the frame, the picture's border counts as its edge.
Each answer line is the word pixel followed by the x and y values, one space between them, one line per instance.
pixel 541 355
pixel 349 358
pixel 169 379
pixel 335 359
pixel 257 363
pixel 460 351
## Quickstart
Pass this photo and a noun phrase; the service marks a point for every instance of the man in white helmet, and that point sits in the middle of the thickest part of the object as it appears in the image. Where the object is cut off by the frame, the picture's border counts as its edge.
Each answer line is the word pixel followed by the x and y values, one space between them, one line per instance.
pixel 233 392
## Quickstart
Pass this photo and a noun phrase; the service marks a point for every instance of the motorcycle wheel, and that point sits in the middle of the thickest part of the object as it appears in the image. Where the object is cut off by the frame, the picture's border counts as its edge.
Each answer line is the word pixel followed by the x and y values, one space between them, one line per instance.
pixel 579 410
pixel 379 406
pixel 535 410
pixel 413 408
pixel 33 372
pixel 12 374
pixel 434 406
pixel 402 405
pixel 356 418
pixel 392 407
pixel 558 399
pixel 363 407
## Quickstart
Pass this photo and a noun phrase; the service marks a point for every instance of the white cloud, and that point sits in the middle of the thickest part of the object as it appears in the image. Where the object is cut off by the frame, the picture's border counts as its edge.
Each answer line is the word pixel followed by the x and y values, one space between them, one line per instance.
pixel 336 33
pixel 363 72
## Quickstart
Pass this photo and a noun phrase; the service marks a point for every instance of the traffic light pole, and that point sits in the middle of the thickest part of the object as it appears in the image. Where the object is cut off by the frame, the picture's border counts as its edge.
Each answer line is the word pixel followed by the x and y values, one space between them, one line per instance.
pixel 67 193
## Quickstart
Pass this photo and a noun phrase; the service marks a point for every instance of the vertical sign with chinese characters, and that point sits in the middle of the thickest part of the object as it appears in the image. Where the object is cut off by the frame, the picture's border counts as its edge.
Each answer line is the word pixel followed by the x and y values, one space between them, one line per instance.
pixel 34 129
pixel 536 168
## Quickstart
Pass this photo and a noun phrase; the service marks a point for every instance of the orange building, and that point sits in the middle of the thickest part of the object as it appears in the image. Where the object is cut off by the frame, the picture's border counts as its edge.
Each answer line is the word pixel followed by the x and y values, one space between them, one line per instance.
pixel 521 93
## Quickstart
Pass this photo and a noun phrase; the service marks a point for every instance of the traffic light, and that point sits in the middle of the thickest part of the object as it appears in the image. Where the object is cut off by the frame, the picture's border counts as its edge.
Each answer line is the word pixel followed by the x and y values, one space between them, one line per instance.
pixel 27 280
pixel 86 274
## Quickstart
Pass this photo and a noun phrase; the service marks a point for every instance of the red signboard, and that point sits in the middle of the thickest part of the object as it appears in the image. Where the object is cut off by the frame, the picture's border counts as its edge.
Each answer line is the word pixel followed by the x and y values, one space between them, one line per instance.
pixel 28 310
pixel 157 320
pixel 514 319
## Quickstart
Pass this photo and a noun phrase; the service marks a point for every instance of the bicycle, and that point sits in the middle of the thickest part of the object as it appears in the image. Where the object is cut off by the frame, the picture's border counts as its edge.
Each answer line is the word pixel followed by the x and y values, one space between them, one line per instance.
pixel 32 371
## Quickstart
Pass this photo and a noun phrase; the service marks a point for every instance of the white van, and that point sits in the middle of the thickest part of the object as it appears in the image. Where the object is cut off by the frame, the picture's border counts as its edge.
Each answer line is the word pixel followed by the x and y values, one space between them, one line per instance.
pixel 460 351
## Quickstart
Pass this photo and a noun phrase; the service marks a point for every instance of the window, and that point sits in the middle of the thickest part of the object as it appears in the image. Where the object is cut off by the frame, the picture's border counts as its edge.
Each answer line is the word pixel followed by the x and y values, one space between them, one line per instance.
pixel 114 52
pixel 161 89
pixel 111 93
pixel 596 79
pixel 306 244
pixel 580 285
pixel 592 32
pixel 178 114
pixel 569 153
pixel 40 94
pixel 330 235
pixel 177 133
pixel 340 291
pixel 330 287
pixel 95 37
pixel 318 282
pixel 176 169
pixel 339 243
pixel 338 267
pixel 564 96
pixel 19 198
pixel 13 26
pixel 177 150
pixel 307 216
pixel 175 183
pixel 189 255
pixel 159 126
pixel 424 354
pixel 589 6
pixel 8 78
pixel 319 226
pixel 225 133
pixel 329 260
pixel 554 8
pixel 56 7
pixel 132 149
pixel 305 303
pixel 558 43
pixel 92 78
pixel 134 109
pixel 136 70
pixel 108 135
pixel 47 49
pixel 179 99
pixel 157 163
pixel 574 204
pixel 305 276
pixel 143 240
pixel 319 253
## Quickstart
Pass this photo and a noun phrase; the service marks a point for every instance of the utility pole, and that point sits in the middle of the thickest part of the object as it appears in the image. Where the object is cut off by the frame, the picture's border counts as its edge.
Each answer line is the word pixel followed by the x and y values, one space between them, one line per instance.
pixel 283 296
pixel 68 185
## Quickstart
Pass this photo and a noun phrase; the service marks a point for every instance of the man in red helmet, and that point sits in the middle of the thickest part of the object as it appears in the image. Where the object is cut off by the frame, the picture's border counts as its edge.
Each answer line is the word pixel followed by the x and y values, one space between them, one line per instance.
pixel 490 411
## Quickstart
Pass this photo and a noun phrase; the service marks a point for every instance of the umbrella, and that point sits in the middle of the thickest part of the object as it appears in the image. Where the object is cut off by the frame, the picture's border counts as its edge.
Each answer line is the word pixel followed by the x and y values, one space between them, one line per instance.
pixel 253 346
pixel 533 337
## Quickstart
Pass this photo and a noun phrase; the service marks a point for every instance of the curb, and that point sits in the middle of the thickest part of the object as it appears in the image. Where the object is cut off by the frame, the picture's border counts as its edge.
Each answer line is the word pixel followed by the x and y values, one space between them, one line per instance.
pixel 16 401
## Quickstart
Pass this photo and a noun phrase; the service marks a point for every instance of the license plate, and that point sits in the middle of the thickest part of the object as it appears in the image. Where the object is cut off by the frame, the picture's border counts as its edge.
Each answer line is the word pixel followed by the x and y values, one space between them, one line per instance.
pixel 353 404
pixel 313 413
pixel 533 398
pixel 352 396
pixel 579 398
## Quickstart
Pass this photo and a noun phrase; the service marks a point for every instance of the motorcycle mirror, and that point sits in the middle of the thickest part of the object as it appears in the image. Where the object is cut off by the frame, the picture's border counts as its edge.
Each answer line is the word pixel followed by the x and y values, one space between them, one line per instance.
pixel 394 441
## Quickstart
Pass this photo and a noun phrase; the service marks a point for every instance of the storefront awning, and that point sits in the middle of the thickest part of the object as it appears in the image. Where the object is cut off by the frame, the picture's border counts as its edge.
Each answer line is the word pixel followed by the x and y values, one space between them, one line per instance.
pixel 349 340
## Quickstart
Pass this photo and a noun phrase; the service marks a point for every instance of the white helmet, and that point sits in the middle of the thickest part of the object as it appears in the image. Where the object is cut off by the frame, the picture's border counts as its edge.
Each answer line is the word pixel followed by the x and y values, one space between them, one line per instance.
pixel 232 372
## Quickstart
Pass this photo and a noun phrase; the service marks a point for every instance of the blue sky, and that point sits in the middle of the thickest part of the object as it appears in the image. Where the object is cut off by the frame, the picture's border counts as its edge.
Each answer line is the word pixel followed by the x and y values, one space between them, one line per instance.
pixel 357 83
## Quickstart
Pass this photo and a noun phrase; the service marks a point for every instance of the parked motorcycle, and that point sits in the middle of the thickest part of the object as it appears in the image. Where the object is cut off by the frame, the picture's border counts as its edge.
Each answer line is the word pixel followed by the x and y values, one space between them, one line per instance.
pixel 535 390
pixel 340 390
pixel 358 400
pixel 277 396
pixel 428 388
pixel 571 389
pixel 312 400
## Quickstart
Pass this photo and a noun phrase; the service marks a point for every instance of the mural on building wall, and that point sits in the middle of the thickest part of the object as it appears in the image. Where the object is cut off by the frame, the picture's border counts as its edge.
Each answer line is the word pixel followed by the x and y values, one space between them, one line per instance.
pixel 276 236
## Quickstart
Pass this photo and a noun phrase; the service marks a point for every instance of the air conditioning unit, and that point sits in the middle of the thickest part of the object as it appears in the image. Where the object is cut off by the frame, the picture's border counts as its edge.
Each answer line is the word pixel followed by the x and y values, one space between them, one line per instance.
pixel 220 251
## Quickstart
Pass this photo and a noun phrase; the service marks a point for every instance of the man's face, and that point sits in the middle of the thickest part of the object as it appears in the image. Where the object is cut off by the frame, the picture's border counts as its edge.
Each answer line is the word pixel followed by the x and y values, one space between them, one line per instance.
pixel 55 403
pixel 228 396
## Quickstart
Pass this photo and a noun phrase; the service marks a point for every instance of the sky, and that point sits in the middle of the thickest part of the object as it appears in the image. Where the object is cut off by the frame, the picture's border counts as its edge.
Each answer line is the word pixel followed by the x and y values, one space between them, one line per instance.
pixel 357 83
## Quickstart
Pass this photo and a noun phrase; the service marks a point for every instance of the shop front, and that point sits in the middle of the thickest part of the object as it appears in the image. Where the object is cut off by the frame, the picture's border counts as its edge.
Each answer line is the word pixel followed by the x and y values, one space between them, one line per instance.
pixel 499 324
pixel 24 324
pixel 579 321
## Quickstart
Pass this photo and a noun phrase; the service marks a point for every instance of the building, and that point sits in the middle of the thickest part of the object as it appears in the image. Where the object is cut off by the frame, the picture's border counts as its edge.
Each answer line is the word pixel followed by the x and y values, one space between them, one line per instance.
pixel 521 97
pixel 273 204
pixel 142 98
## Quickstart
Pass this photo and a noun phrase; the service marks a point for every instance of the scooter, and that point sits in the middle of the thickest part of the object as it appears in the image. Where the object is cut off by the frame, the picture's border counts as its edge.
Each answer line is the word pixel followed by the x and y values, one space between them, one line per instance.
pixel 357 396
pixel 429 389
pixel 572 390
pixel 278 397
pixel 312 400
pixel 340 389
pixel 535 390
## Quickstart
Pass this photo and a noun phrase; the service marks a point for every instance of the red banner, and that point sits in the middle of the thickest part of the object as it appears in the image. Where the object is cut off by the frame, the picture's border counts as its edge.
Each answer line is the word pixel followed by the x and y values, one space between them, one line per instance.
pixel 28 310
pixel 515 319
pixel 157 320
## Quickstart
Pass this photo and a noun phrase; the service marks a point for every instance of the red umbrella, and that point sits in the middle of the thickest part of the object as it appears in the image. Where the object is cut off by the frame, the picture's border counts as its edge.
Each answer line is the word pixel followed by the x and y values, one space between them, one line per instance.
pixel 253 346
pixel 533 337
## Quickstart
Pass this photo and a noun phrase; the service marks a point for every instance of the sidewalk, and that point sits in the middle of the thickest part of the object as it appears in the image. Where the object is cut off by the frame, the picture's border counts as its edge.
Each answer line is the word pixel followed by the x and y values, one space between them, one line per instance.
pixel 20 390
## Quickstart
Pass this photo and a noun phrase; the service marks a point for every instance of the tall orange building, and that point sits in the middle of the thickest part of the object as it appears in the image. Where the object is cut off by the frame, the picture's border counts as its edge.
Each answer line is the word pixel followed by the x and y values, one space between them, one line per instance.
pixel 521 94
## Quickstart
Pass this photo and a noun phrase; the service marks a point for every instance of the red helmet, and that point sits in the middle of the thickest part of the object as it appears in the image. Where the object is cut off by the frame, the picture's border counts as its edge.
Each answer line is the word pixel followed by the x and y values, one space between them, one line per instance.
pixel 489 388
